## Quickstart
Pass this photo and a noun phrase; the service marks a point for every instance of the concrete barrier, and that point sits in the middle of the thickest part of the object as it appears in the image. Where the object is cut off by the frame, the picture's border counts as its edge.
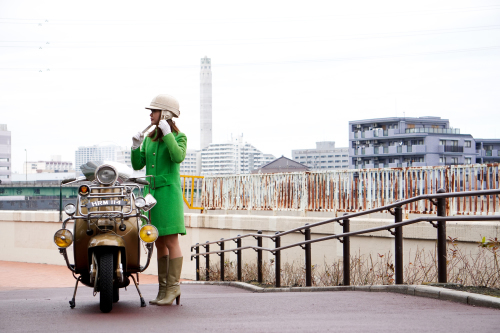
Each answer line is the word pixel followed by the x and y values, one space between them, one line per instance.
pixel 27 236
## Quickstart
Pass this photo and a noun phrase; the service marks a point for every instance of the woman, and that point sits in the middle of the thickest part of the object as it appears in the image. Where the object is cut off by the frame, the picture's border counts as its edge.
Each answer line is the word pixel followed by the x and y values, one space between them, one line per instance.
pixel 162 152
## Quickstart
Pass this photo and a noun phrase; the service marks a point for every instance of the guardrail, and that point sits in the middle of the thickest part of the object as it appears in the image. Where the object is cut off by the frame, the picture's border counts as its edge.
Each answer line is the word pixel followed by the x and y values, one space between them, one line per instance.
pixel 396 209
pixel 354 190
pixel 191 190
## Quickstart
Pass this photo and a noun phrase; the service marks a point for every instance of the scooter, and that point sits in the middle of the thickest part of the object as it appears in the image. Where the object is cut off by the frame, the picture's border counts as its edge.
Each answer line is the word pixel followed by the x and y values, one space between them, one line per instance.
pixel 109 225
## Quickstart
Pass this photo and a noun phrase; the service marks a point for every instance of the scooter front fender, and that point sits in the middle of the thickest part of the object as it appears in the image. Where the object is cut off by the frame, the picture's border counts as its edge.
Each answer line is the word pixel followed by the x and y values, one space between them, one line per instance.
pixel 106 240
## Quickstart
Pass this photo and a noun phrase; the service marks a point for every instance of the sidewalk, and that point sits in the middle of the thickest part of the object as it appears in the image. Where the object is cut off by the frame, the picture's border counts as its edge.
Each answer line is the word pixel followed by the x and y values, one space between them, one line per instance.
pixel 22 275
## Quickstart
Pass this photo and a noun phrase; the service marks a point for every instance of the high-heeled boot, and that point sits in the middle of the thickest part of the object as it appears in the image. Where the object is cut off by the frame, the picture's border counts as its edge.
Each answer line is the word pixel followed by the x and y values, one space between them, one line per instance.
pixel 173 285
pixel 162 279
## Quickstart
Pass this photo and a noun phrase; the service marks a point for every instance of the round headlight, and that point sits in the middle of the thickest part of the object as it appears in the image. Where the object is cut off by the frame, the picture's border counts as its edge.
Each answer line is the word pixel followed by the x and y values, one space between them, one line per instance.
pixel 63 238
pixel 140 202
pixel 106 175
pixel 70 209
pixel 148 233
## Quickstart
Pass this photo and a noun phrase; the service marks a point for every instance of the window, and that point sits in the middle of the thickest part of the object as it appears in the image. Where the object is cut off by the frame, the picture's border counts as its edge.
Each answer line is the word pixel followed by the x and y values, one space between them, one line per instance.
pixel 468 159
pixel 441 160
pixel 442 142
pixel 467 144
pixel 4 159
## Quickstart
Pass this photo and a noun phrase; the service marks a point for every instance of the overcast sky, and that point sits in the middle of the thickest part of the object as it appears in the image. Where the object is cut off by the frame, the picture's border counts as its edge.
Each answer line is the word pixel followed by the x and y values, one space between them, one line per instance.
pixel 286 74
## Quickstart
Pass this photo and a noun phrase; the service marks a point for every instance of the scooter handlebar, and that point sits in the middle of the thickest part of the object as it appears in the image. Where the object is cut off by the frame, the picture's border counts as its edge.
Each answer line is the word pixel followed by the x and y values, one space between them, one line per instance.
pixel 139 181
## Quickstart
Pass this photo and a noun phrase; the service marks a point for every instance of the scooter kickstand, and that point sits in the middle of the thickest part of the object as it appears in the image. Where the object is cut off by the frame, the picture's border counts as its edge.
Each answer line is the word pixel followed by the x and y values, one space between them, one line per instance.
pixel 72 302
pixel 143 303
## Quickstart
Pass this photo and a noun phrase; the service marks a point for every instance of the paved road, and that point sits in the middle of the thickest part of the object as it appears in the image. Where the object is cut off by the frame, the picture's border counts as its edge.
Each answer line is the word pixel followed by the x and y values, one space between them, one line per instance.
pixel 207 308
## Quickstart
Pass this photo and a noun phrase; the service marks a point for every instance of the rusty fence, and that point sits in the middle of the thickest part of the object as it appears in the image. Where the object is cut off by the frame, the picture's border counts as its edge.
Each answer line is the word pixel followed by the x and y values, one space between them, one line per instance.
pixel 355 190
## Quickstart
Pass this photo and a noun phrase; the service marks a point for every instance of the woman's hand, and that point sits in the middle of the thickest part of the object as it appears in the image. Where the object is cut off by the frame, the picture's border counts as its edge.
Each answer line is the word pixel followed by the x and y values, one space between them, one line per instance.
pixel 137 140
pixel 165 127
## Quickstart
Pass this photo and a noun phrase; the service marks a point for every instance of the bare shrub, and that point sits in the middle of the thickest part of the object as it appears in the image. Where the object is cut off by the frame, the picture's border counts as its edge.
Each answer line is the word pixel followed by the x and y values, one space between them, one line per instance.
pixel 472 269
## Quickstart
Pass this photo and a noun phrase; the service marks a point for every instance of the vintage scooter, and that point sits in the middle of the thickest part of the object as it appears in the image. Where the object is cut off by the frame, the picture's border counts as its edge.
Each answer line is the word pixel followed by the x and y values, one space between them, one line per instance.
pixel 107 231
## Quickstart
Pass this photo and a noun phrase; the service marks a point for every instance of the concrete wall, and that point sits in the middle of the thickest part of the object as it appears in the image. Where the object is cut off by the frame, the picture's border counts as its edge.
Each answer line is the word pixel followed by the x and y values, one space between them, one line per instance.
pixel 28 237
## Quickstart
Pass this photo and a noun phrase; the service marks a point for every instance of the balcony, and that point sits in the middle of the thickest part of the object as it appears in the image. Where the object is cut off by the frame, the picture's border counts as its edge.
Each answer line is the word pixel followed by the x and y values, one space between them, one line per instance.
pixel 453 149
pixel 433 130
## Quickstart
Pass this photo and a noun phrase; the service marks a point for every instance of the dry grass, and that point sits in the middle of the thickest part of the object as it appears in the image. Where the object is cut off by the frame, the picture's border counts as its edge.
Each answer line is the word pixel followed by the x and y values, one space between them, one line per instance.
pixel 471 269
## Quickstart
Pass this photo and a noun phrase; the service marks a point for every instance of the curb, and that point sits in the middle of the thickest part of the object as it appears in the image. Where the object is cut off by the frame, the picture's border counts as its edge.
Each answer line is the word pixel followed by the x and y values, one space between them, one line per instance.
pixel 413 290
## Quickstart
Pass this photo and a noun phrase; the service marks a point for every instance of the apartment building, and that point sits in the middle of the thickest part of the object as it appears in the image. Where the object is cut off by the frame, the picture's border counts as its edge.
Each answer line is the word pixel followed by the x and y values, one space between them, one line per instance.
pixel 55 165
pixel 101 153
pixel 488 150
pixel 325 156
pixel 5 155
pixel 231 158
pixel 192 163
pixel 404 142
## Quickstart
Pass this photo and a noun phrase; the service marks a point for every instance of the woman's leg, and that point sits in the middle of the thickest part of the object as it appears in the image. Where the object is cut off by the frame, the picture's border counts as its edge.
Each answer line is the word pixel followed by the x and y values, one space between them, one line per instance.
pixel 172 245
pixel 174 270
pixel 161 247
pixel 168 245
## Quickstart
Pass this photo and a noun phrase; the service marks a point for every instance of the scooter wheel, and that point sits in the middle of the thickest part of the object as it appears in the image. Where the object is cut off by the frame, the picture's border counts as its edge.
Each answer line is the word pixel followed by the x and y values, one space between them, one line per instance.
pixel 106 282
pixel 72 304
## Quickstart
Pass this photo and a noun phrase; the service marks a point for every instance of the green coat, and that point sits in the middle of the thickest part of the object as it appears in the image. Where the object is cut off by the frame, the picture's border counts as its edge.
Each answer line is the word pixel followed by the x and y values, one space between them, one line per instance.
pixel 162 159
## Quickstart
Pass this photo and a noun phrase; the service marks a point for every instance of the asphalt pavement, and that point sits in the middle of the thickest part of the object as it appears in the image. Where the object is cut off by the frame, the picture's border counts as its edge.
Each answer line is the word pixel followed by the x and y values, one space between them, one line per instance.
pixel 28 306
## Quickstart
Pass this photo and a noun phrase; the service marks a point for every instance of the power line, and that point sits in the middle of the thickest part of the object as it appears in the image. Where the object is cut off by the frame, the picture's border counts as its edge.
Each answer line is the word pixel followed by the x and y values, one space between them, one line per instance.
pixel 113 44
pixel 241 19
pixel 302 61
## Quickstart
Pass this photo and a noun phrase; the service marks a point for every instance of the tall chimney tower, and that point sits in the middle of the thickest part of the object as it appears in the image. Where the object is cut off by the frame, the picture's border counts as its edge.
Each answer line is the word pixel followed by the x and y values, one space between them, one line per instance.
pixel 205 102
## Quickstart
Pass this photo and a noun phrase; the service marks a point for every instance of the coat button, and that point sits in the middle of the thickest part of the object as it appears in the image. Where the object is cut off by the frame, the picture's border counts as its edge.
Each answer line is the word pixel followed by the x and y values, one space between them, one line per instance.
pixel 153 166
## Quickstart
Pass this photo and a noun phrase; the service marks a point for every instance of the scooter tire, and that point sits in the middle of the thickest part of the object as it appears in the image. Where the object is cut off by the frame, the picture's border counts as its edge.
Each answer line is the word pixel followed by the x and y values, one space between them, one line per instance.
pixel 116 294
pixel 106 282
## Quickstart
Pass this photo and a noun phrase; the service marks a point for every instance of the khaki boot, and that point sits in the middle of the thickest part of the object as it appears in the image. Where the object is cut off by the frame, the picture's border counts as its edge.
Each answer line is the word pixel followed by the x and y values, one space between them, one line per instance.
pixel 173 285
pixel 162 279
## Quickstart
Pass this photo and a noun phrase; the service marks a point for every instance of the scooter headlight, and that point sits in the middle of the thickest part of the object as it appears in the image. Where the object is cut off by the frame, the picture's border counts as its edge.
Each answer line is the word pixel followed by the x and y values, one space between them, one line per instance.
pixel 106 174
pixel 140 202
pixel 148 233
pixel 70 209
pixel 63 238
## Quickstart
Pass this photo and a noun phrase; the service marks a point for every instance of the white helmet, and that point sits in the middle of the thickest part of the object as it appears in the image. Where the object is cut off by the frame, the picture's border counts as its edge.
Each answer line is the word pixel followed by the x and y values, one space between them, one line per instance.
pixel 165 102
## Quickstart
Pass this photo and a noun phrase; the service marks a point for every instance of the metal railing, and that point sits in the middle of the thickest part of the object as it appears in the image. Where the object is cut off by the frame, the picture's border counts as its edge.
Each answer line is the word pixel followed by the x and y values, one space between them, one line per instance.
pixel 396 229
pixel 354 190
pixel 191 190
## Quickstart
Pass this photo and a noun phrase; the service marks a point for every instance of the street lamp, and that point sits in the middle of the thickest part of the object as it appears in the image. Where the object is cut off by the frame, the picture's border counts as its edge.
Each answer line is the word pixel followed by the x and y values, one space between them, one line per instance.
pixel 26 165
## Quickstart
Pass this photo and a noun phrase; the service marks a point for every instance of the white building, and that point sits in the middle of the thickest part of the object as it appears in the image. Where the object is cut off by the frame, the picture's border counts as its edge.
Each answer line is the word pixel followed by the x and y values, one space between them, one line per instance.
pixel 5 154
pixel 101 153
pixel 231 158
pixel 324 157
pixel 205 102
pixel 55 165
pixel 192 163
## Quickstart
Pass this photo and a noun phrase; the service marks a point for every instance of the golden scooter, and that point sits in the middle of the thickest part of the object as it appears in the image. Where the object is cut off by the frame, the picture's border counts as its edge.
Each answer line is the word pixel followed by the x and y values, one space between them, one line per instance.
pixel 107 231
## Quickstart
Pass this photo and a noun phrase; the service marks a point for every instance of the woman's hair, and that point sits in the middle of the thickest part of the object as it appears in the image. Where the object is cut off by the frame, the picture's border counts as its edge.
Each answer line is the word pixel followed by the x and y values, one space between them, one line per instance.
pixel 157 133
